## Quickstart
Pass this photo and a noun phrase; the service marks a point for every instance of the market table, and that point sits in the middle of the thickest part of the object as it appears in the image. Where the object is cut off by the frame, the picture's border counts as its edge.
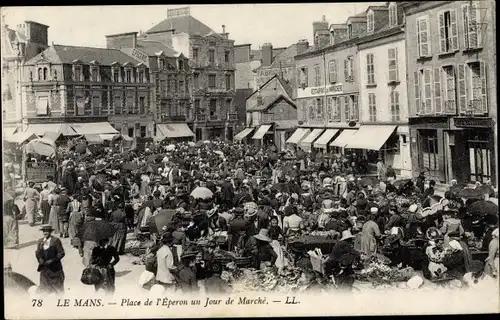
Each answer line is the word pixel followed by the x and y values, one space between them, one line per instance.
pixel 325 244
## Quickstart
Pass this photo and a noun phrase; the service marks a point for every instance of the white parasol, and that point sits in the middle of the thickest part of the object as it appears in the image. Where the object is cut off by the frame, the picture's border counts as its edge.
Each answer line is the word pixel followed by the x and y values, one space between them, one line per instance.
pixel 202 193
pixel 41 146
pixel 170 147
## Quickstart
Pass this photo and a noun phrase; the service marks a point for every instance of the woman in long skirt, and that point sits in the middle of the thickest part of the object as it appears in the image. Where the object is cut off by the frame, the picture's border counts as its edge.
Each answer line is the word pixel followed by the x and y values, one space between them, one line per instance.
pixel 31 197
pixel 75 221
pixel 369 235
pixel 104 258
pixel 10 225
pixel 119 221
pixel 44 202
pixel 54 211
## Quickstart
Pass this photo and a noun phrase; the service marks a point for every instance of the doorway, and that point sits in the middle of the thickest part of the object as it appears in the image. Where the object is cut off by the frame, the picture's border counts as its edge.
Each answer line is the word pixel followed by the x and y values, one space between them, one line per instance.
pixel 479 160
pixel 429 153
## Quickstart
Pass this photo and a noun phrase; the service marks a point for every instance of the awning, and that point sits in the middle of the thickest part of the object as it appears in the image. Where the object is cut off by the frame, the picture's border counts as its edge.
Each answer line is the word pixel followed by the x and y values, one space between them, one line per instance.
pixel 261 132
pixel 298 135
pixel 343 139
pixel 322 141
pixel 22 137
pixel 93 138
pixel 9 132
pixel 93 128
pixel 40 129
pixel 173 130
pixel 240 136
pixel 52 136
pixel 371 137
pixel 109 136
pixel 308 140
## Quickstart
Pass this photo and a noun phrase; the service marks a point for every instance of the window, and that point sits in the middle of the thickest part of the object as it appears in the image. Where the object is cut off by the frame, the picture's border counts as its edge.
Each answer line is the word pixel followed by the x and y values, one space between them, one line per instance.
pixel 303 77
pixel 211 81
pixel 393 65
pixel 77 73
pixel 161 64
pixel 40 74
pixel 96 105
pixel 211 56
pixel 438 101
pixel 349 31
pixel 226 57
pixel 173 85
pixel 143 131
pixel 213 107
pixel 163 86
pixel 347 109
pixel 317 76
pixel 129 102
pixel 131 132
pixel 319 108
pixel 116 74
pixel 117 103
pixel 423 35
pixel 332 71
pixel 370 69
pixel 94 74
pixel 197 105
pixel 228 82
pixel 329 109
pixel 42 106
pixel 303 112
pixel 476 83
pixel 142 105
pixel 312 110
pixel 195 54
pixel 372 107
pixel 196 81
pixel 354 108
pixel 393 14
pixel 181 65
pixel 395 108
pixel 472 26
pixel 449 90
pixel 128 75
pixel 427 91
pixel 416 79
pixel 141 76
pixel 80 106
pixel 45 74
pixel 348 69
pixel 370 23
pixel 55 75
pixel 336 108
pixel 448 32
pixel 228 105
pixel 181 87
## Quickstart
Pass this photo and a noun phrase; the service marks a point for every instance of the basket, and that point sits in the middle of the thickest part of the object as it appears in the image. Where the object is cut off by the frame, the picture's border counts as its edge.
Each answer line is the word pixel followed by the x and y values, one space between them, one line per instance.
pixel 318 264
pixel 243 262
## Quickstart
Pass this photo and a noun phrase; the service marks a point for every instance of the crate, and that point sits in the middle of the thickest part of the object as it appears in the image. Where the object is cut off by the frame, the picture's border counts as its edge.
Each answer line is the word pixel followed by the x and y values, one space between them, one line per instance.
pixel 318 264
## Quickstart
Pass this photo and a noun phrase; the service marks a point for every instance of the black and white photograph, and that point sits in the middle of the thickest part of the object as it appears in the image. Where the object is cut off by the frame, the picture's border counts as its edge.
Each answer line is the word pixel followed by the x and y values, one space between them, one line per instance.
pixel 250 160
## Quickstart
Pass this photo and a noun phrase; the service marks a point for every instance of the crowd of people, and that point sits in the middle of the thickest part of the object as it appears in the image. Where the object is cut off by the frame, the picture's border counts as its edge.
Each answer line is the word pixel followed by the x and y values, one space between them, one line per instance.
pixel 255 203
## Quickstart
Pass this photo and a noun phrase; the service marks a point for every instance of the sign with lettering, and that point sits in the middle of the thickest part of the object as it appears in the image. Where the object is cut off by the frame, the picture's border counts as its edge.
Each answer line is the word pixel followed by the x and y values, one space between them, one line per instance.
pixel 473 122
pixel 180 12
pixel 263 75
pixel 141 56
pixel 320 91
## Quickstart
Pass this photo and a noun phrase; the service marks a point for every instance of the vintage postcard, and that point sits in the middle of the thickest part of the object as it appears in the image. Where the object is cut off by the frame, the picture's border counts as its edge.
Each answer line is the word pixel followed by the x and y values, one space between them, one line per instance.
pixel 249 160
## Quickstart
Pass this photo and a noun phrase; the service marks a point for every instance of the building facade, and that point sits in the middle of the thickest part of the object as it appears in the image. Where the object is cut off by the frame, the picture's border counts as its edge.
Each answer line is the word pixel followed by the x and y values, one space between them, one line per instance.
pixel 211 61
pixel 18 45
pixel 383 86
pixel 452 102
pixel 106 87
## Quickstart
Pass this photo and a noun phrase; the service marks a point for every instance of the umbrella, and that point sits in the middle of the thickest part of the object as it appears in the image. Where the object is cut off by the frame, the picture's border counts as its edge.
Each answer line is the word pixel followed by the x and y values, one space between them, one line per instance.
pixel 14 280
pixel 470 193
pixel 161 220
pixel 202 193
pixel 191 144
pixel 220 153
pixel 430 201
pixel 41 146
pixel 206 142
pixel 7 196
pixel 97 230
pixel 399 182
pixel 483 207
pixel 170 147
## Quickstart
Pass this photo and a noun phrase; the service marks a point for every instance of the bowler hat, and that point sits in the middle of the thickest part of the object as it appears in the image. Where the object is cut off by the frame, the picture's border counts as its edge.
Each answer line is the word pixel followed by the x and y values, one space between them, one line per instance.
pixel 46 228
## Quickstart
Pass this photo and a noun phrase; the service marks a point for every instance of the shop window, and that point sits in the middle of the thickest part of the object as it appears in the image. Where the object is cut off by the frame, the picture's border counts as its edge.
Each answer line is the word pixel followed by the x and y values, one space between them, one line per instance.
pixel 372 107
pixel 317 76
pixel 143 131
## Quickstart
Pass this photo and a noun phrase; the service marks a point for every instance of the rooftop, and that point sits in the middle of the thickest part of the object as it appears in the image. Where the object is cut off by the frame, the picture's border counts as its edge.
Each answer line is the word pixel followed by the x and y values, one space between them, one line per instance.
pixel 151 48
pixel 182 24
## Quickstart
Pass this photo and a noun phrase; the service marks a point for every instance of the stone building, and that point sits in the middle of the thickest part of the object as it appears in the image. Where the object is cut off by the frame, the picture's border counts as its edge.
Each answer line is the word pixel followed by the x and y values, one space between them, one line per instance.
pixel 18 45
pixel 211 60
pixel 94 90
pixel 452 94
pixel 171 78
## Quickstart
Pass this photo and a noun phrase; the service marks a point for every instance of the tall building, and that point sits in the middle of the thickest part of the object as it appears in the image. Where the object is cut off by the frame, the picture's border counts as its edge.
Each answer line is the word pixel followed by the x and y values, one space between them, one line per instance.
pixel 451 64
pixel 93 90
pixel 211 59
pixel 171 78
pixel 18 45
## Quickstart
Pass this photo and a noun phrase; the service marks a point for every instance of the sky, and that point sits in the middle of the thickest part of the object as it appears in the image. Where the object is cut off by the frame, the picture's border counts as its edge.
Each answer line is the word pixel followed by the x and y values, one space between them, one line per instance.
pixel 279 24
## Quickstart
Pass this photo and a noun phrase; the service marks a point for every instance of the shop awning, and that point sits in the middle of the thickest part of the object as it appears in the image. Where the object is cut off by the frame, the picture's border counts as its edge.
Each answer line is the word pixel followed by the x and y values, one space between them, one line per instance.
pixel 40 129
pixel 22 137
pixel 261 132
pixel 109 136
pixel 308 140
pixel 343 139
pixel 52 136
pixel 93 128
pixel 298 135
pixel 322 141
pixel 371 137
pixel 93 138
pixel 173 130
pixel 242 135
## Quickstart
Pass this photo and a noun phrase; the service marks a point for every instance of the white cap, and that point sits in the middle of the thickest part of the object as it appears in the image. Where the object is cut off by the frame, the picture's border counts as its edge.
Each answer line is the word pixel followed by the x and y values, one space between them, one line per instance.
pixel 413 208
pixel 373 210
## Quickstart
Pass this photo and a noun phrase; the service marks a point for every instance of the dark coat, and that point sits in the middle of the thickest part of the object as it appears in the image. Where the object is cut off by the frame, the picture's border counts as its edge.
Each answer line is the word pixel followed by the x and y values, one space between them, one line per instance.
pixel 69 180
pixel 50 266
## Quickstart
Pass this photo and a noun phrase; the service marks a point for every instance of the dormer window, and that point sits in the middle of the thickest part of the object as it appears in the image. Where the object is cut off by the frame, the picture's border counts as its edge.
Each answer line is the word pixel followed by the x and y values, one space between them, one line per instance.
pixel 94 73
pixel 40 74
pixel 349 31
pixel 332 37
pixel 54 75
pixel 370 22
pixel 140 74
pixel 161 63
pixel 115 73
pixel 128 75
pixel 45 74
pixel 181 65
pixel 77 73
pixel 393 14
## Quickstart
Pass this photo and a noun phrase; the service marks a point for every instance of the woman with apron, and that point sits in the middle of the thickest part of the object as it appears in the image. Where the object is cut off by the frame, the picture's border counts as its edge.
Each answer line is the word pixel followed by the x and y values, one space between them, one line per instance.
pixel 31 197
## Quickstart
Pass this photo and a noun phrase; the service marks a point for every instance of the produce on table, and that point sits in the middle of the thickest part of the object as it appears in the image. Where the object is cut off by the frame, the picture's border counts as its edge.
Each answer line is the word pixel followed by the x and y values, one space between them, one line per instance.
pixel 377 271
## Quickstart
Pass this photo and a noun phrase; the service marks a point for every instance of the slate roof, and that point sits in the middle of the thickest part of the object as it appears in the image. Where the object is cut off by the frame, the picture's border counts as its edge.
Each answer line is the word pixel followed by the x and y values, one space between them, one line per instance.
pixel 151 47
pixel 184 24
pixel 286 57
pixel 256 55
pixel 268 102
pixel 67 54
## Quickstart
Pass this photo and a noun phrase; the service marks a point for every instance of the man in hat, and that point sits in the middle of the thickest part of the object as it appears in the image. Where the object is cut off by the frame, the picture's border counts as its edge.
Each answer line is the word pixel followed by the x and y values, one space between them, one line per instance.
pixel 63 213
pixel 345 246
pixel 236 227
pixel 215 284
pixel 166 262
pixel 49 253
pixel 265 252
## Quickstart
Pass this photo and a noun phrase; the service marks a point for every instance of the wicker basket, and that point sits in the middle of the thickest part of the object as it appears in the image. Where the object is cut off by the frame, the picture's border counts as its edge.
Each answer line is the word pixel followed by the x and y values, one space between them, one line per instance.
pixel 243 262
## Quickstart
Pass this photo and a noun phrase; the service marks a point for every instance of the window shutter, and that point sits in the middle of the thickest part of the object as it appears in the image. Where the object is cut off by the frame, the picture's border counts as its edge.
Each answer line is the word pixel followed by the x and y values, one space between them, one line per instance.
pixel 396 63
pixel 416 76
pixel 465 24
pixel 391 99
pixel 306 77
pixel 396 105
pixel 484 90
pixel 428 35
pixel 473 26
pixel 442 33
pixel 351 68
pixel 299 78
pixel 454 30
pixel 438 100
pixel 462 89
pixel 425 46
pixel 346 108
pixel 418 39
pixel 428 91
pixel 346 75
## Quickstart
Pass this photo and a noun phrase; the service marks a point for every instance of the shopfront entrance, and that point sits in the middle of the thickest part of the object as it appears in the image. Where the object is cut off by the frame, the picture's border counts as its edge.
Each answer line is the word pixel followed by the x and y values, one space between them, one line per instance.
pixel 429 155
pixel 479 157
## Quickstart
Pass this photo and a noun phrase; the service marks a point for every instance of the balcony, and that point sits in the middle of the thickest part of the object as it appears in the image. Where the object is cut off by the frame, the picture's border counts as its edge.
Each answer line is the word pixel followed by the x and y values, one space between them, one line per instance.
pixel 170 118
pixel 213 117
pixel 450 107
pixel 201 117
pixel 232 116
pixel 197 63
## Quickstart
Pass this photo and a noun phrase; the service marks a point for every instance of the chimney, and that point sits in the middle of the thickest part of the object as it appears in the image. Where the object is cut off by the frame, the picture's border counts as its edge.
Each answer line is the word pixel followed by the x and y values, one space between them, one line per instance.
pixel 302 46
pixel 322 38
pixel 224 34
pixel 122 40
pixel 223 29
pixel 319 25
pixel 267 54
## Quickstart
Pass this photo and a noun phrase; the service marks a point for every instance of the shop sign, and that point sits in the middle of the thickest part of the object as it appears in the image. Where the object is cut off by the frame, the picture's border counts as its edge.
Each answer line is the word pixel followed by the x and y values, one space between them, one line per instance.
pixel 473 122
pixel 320 91
pixel 139 55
